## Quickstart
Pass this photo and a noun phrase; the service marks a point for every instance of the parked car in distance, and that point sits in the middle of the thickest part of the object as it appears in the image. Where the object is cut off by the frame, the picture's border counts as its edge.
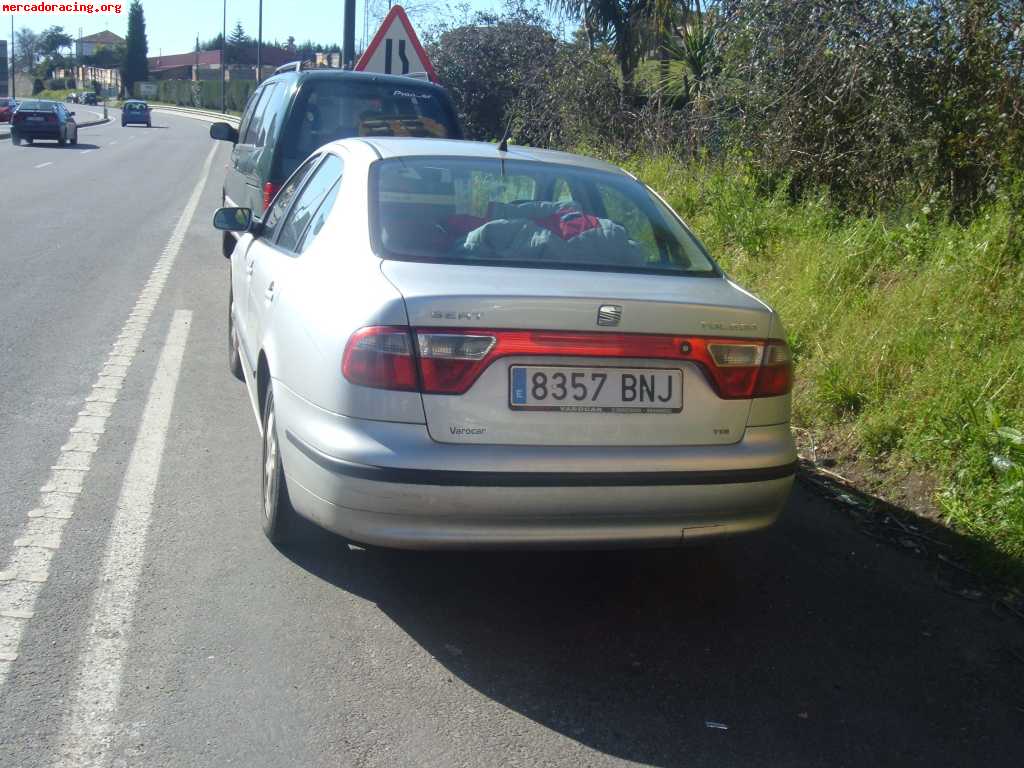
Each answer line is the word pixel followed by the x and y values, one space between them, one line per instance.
pixel 7 107
pixel 135 112
pixel 298 110
pixel 89 98
pixel 71 98
pixel 36 119
pixel 450 345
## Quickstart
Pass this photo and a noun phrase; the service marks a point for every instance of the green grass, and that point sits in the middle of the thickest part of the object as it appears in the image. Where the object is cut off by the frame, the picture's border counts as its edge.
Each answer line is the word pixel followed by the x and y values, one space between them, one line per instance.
pixel 908 330
pixel 58 95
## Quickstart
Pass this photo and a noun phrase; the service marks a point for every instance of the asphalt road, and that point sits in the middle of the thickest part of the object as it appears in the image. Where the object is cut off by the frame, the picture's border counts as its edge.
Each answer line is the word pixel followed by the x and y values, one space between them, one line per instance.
pixel 145 621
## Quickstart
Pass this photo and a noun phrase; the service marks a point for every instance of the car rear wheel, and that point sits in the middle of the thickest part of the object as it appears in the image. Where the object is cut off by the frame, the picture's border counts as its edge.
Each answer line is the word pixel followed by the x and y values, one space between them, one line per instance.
pixel 29 141
pixel 62 141
pixel 278 513
pixel 15 139
pixel 234 355
pixel 74 138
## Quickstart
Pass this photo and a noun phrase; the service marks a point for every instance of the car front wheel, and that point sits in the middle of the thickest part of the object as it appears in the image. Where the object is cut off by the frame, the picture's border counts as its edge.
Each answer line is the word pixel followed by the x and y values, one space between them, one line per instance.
pixel 278 514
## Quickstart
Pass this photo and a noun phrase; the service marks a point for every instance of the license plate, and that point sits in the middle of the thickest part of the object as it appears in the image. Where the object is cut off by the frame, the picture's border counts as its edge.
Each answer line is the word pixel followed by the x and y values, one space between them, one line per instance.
pixel 595 390
pixel 34 119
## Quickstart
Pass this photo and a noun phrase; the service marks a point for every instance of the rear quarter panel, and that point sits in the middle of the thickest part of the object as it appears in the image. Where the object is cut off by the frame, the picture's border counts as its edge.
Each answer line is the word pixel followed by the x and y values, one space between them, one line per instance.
pixel 332 290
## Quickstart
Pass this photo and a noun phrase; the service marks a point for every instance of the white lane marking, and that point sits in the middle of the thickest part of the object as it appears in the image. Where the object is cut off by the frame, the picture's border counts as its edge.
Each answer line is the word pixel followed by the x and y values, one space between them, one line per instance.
pixel 88 151
pixel 88 726
pixel 43 165
pixel 22 579
pixel 113 142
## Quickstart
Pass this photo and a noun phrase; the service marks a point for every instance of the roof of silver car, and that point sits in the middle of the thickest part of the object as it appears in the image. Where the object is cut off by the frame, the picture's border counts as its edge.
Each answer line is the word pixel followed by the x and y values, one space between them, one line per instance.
pixel 392 146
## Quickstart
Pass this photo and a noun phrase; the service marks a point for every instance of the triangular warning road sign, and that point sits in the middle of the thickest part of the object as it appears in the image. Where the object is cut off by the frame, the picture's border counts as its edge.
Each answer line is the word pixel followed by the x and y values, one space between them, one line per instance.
pixel 395 49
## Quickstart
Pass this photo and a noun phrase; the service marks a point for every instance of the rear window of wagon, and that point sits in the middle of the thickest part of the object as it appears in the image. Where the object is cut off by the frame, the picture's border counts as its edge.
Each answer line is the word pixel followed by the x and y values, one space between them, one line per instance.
pixel 527 214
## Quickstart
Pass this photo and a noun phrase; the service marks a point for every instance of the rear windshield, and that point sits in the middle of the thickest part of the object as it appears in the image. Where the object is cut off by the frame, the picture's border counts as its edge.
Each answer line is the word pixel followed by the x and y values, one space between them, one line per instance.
pixel 136 107
pixel 35 104
pixel 326 110
pixel 522 213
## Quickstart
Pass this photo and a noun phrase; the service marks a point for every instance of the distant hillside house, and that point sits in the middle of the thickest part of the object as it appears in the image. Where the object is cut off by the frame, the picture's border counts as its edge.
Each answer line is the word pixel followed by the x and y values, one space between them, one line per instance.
pixel 88 45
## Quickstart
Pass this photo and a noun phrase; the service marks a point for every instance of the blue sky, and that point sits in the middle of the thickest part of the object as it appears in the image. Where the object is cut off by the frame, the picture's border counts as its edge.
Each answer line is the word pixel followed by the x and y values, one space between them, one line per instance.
pixel 172 25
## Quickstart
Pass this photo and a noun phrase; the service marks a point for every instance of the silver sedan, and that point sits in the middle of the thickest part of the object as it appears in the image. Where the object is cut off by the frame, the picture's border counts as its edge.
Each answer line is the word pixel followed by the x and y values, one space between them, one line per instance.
pixel 450 345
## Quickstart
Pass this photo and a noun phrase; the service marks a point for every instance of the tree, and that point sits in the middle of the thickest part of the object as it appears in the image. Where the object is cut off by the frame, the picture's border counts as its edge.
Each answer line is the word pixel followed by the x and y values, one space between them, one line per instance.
pixel 627 24
pixel 290 44
pixel 53 40
pixel 238 44
pixel 106 57
pixel 26 50
pixel 135 68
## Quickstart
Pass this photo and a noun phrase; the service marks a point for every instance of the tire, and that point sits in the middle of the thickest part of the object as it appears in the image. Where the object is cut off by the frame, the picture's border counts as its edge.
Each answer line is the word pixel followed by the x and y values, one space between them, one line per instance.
pixel 29 141
pixel 234 354
pixel 227 244
pixel 149 125
pixel 278 513
pixel 16 139
pixel 74 139
pixel 62 141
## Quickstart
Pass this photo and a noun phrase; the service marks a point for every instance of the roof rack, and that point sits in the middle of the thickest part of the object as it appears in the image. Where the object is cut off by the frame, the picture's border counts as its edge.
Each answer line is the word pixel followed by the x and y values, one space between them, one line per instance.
pixel 291 66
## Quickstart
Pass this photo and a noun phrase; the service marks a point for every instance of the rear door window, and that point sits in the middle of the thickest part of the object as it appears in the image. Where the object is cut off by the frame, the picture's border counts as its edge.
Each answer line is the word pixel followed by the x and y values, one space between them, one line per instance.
pixel 317 222
pixel 320 183
pixel 279 207
pixel 246 131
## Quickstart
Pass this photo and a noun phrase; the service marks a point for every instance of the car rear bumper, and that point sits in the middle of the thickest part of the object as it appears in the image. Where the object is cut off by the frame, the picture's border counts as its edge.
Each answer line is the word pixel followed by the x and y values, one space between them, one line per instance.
pixel 389 484
pixel 37 132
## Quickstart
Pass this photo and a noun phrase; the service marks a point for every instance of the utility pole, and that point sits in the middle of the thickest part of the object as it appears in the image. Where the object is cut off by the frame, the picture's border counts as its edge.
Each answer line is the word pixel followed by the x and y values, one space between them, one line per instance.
pixel 259 47
pixel 348 47
pixel 14 75
pixel 223 60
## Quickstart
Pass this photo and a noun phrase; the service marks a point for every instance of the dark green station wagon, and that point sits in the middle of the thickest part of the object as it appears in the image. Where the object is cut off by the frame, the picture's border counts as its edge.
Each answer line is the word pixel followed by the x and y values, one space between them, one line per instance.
pixel 296 111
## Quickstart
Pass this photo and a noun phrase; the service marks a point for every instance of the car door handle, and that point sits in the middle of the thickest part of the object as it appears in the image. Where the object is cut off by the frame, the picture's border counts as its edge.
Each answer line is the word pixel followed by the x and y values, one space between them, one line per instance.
pixel 269 293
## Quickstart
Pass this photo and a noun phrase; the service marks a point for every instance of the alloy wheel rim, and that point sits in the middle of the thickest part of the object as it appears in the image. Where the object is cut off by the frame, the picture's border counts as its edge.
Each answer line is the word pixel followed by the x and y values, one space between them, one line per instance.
pixel 270 467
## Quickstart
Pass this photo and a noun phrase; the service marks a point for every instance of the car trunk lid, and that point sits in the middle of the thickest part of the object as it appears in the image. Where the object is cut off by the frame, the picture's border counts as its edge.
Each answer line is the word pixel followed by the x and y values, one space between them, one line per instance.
pixel 579 331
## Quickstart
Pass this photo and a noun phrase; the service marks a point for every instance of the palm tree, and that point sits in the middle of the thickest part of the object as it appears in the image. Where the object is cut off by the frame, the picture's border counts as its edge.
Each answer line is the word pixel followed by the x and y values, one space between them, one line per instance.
pixel 625 24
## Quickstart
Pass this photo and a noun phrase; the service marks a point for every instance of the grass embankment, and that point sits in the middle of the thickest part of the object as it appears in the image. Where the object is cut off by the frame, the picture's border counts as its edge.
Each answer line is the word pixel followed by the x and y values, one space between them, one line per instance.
pixel 908 333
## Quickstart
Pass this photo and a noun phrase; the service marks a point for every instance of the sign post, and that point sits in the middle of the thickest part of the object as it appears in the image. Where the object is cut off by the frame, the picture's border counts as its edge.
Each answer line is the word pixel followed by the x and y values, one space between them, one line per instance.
pixel 3 68
pixel 396 50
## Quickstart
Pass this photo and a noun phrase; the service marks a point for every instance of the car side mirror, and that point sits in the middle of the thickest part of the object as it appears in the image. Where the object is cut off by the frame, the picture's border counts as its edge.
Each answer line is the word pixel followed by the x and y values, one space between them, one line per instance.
pixel 224 132
pixel 233 219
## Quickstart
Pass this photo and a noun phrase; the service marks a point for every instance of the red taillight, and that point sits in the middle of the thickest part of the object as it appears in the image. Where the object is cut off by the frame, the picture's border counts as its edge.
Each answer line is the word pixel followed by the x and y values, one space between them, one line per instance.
pixel 269 190
pixel 51 118
pixel 776 374
pixel 380 356
pixel 451 360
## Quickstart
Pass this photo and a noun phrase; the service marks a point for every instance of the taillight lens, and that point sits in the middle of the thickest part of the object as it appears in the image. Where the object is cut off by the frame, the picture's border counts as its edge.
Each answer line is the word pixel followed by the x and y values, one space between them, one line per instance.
pixel 776 374
pixel 381 357
pixel 269 190
pixel 451 362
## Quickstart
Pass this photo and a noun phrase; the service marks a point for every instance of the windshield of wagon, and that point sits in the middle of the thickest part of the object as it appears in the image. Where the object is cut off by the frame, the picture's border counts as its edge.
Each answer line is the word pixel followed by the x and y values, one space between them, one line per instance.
pixel 523 213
